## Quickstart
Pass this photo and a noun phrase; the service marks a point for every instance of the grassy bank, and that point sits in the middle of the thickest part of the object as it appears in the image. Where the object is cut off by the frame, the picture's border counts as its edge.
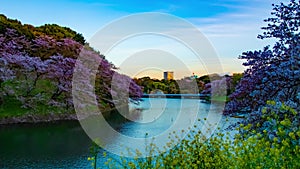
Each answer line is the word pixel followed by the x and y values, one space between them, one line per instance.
pixel 217 99
pixel 11 112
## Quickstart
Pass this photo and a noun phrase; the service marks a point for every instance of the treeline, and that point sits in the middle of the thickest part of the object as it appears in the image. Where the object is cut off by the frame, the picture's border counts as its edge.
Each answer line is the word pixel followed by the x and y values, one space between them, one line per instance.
pixel 191 84
pixel 37 66
pixel 43 41
pixel 31 32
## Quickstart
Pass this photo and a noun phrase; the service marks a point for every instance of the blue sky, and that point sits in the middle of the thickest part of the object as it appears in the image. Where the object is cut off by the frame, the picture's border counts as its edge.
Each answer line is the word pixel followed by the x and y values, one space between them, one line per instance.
pixel 230 25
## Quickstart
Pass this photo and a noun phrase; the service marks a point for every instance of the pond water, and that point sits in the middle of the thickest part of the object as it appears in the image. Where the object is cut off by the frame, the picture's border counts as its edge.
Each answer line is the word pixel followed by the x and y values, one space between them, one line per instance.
pixel 66 145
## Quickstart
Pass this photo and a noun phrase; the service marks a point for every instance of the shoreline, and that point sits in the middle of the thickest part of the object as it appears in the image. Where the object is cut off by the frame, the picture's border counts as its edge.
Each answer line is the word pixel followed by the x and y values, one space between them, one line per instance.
pixel 37 119
pixel 53 117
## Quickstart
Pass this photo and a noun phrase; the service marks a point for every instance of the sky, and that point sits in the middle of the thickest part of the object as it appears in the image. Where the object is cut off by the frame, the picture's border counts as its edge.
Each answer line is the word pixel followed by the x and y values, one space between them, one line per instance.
pixel 230 26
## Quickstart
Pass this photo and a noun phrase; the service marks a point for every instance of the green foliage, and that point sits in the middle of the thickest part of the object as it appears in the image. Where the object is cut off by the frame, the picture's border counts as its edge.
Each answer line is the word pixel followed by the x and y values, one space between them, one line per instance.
pixel 236 77
pixel 94 151
pixel 186 85
pixel 15 24
pixel 31 32
pixel 277 121
pixel 59 32
pixel 11 108
pixel 38 71
pixel 219 99
pixel 150 85
pixel 257 150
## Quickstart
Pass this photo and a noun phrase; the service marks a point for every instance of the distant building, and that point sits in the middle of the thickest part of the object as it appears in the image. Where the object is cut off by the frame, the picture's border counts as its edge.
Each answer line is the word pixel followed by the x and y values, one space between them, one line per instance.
pixel 168 75
pixel 194 76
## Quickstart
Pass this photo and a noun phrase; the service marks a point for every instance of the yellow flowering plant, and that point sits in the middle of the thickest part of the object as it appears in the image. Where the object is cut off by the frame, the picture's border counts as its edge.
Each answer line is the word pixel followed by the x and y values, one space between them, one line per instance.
pixel 272 143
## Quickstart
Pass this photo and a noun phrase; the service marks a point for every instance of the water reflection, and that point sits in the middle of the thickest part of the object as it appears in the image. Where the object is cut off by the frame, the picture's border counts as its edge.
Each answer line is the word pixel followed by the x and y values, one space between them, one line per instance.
pixel 65 144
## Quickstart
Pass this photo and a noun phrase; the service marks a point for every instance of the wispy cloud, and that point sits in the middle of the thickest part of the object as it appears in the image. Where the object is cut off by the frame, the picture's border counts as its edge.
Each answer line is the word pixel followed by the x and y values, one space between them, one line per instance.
pixel 169 9
pixel 232 24
pixel 234 32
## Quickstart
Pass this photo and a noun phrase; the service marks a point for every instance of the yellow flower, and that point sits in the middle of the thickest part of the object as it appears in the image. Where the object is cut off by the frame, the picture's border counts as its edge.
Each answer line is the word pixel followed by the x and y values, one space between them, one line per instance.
pixel 292 135
pixel 264 110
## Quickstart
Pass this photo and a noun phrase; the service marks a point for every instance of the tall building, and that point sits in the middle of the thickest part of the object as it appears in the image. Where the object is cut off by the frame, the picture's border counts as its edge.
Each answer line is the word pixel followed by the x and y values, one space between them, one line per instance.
pixel 168 75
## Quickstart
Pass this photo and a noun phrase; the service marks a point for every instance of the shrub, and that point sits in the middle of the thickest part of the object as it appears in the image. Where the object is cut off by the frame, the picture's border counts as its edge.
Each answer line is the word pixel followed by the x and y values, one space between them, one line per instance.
pixel 273 143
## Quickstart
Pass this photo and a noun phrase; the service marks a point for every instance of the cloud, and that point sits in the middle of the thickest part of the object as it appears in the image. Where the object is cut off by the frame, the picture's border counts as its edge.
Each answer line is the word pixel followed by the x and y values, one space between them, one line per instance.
pixel 170 8
pixel 230 24
pixel 232 33
pixel 243 18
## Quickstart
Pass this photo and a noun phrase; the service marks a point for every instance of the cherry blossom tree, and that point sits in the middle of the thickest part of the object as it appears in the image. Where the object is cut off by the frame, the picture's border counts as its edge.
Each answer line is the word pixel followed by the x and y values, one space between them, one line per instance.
pixel 273 73
pixel 21 74
pixel 13 43
pixel 39 71
pixel 219 87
